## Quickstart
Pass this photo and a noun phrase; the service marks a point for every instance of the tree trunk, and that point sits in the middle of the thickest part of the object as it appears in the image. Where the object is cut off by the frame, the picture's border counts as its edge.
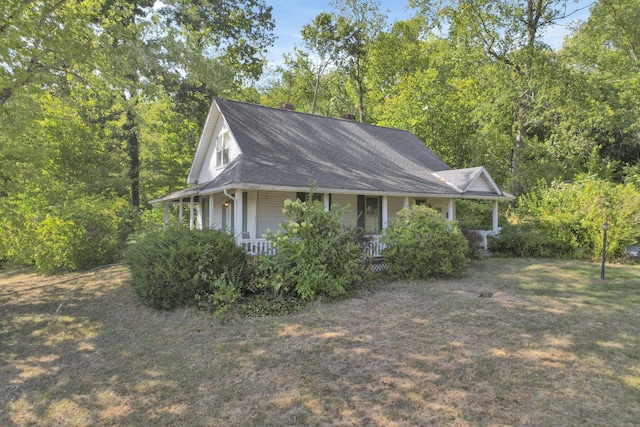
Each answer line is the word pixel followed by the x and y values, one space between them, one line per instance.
pixel 361 89
pixel 133 151
pixel 519 144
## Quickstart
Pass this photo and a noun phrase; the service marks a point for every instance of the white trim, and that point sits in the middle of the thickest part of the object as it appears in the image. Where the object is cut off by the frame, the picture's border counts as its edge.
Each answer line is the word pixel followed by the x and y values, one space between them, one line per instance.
pixel 237 223
pixel 165 213
pixel 247 186
pixel 451 210
pixel 385 212
pixel 477 172
pixel 211 212
pixel 253 186
pixel 191 213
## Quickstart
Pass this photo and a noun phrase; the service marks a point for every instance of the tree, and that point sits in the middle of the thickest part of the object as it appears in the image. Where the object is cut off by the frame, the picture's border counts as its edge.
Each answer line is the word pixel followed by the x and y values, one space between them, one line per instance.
pixel 42 42
pixel 510 32
pixel 83 84
pixel 357 25
pixel 604 52
pixel 320 40
pixel 423 83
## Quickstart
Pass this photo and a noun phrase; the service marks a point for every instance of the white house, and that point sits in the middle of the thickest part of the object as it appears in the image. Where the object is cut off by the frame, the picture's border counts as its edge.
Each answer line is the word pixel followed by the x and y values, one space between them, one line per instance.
pixel 251 158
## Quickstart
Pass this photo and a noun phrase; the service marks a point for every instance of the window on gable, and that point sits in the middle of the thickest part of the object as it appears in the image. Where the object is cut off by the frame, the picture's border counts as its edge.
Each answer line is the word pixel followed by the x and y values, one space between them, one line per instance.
pixel 222 150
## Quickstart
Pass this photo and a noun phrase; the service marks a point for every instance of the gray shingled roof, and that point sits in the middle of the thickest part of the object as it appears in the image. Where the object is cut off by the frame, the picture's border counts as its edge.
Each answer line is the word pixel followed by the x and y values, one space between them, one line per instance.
pixel 287 148
pixel 284 148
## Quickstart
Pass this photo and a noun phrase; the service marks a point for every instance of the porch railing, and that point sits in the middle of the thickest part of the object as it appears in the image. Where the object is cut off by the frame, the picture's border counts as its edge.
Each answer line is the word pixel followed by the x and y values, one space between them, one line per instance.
pixel 373 244
pixel 257 246
pixel 261 246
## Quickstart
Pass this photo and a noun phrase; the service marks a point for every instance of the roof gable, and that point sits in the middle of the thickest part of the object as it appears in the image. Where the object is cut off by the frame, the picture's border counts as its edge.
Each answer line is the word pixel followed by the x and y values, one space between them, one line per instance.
pixel 475 180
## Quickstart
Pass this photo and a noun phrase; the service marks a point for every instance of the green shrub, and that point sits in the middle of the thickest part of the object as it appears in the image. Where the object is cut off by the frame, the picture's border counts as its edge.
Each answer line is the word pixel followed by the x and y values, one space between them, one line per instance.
pixel 84 233
pixel 176 266
pixel 315 254
pixel 475 214
pixel 56 239
pixel 420 244
pixel 576 211
pixel 531 239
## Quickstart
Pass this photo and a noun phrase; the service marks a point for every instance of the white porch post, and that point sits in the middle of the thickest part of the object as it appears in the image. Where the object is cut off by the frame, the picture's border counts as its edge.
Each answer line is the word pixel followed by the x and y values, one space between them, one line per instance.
pixel 238 216
pixel 180 212
pixel 199 224
pixel 495 216
pixel 256 218
pixel 165 213
pixel 406 202
pixel 385 212
pixel 451 210
pixel 191 213
pixel 211 211
pixel 326 202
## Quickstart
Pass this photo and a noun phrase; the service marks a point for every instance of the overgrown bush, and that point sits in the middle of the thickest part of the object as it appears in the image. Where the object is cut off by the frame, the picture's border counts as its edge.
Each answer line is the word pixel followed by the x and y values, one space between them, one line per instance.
pixel 532 239
pixel 70 233
pixel 176 266
pixel 574 214
pixel 315 254
pixel 420 244
pixel 83 233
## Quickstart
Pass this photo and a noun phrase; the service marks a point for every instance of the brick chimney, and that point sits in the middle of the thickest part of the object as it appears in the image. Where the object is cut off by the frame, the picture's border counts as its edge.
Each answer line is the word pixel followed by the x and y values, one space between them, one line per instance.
pixel 350 116
pixel 288 106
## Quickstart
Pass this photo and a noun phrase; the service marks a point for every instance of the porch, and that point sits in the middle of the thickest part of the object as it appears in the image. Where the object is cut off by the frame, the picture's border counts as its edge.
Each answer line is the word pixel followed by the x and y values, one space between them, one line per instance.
pixel 250 214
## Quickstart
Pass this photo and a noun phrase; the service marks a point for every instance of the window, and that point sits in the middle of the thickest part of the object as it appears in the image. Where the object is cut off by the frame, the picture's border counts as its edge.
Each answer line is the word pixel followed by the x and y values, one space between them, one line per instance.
pixel 222 150
pixel 304 196
pixel 372 215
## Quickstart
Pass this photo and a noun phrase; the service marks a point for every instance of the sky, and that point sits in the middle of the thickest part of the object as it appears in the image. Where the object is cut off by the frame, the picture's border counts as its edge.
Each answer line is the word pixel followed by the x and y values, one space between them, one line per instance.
pixel 291 15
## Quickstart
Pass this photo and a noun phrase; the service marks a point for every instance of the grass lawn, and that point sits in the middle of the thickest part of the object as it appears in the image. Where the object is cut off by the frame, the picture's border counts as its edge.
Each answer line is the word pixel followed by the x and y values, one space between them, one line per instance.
pixel 516 342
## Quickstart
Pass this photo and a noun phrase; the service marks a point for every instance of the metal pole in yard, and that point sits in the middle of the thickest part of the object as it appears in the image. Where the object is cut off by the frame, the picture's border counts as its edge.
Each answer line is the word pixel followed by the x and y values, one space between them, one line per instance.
pixel 605 227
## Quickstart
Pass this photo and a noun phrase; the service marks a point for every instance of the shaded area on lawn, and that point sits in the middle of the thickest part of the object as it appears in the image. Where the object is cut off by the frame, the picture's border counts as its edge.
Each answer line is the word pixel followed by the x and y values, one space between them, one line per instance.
pixel 515 342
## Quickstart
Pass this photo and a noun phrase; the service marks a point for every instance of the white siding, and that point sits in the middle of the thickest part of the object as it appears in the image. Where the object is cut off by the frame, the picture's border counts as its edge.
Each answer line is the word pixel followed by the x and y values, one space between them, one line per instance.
pixel 252 218
pixel 208 166
pixel 270 212
pixel 481 184
pixel 394 205
pixel 234 148
pixel 271 204
pixel 209 170
pixel 350 217
pixel 218 206
pixel 441 205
